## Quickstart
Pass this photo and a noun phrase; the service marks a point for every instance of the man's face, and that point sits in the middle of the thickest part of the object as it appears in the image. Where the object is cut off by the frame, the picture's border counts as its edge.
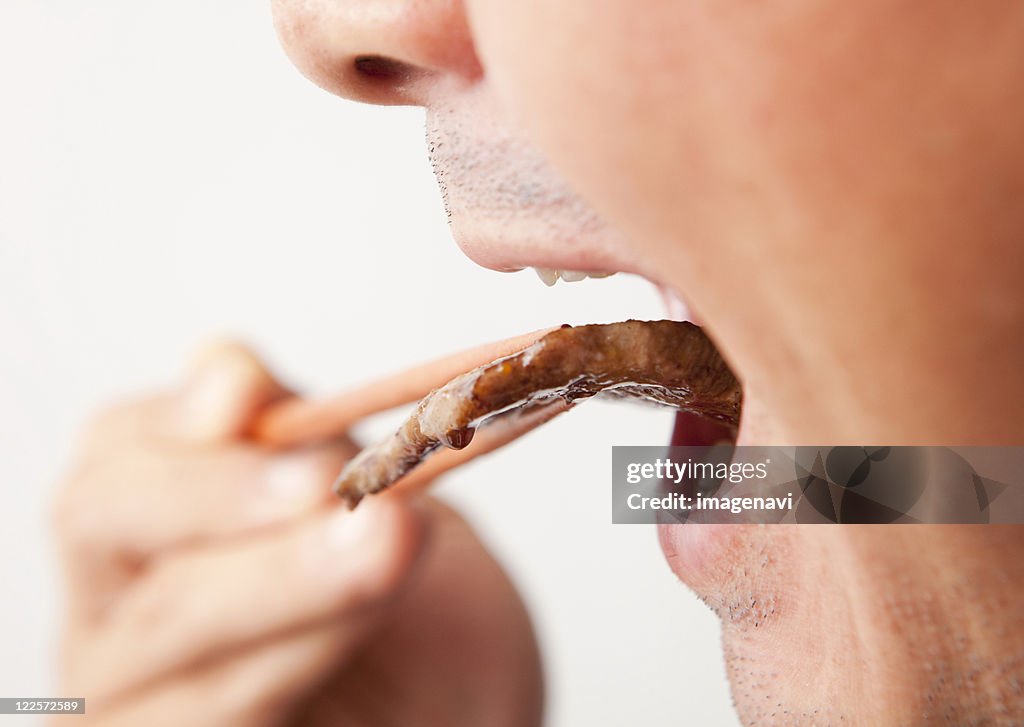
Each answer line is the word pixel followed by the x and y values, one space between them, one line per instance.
pixel 802 173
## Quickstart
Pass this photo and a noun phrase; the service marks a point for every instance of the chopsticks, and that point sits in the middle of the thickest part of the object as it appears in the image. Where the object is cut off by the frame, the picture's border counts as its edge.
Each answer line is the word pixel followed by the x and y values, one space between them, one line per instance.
pixel 295 421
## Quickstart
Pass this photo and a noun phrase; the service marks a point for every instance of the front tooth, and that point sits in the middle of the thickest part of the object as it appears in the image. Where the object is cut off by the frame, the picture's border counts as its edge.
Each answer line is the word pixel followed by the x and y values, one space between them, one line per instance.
pixel 599 275
pixel 547 275
pixel 573 276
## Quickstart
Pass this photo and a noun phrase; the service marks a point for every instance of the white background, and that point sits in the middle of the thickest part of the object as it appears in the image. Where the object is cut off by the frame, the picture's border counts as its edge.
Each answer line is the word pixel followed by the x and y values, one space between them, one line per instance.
pixel 165 176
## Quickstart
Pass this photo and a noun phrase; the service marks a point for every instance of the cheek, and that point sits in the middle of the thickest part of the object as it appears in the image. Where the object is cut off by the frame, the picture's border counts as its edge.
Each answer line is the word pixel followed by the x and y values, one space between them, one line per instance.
pixel 717 123
pixel 645 112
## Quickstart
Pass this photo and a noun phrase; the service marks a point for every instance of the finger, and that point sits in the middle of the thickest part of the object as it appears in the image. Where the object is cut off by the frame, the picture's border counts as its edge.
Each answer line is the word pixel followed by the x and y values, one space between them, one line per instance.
pixel 200 605
pixel 152 500
pixel 124 423
pixel 494 435
pixel 225 389
pixel 299 420
pixel 254 687
pixel 152 504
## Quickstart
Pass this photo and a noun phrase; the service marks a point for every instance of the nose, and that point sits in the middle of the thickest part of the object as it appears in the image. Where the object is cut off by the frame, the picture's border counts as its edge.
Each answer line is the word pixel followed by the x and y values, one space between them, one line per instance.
pixel 395 52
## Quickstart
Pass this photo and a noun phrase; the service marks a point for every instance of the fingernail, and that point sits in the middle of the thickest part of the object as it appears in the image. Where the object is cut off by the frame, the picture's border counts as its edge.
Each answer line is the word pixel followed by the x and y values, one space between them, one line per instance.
pixel 297 475
pixel 350 530
pixel 288 485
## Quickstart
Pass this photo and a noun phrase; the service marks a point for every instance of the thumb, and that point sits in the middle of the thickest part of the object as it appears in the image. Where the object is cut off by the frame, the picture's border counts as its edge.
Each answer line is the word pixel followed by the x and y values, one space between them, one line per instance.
pixel 226 387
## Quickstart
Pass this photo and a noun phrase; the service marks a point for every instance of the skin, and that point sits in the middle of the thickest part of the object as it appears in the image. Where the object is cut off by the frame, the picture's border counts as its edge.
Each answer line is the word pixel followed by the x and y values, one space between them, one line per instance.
pixel 834 188
pixel 220 583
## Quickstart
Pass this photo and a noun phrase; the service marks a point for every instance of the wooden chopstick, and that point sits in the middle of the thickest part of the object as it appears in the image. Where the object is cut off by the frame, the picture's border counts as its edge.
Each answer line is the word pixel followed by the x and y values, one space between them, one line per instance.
pixel 295 421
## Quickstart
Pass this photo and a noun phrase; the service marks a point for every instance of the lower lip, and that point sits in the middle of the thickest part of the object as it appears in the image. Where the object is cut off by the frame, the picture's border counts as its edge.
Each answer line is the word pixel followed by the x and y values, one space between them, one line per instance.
pixel 692 549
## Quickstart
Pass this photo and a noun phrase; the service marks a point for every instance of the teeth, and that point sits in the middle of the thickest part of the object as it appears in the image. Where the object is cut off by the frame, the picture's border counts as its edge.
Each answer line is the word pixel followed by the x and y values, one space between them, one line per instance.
pixel 550 276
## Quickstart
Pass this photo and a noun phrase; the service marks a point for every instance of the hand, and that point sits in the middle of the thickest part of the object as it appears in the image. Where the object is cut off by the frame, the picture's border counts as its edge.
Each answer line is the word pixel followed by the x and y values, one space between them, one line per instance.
pixel 212 580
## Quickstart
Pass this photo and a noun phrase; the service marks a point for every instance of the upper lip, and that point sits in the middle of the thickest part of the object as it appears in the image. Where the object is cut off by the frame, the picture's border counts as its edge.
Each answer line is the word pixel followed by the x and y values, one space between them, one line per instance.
pixel 510 258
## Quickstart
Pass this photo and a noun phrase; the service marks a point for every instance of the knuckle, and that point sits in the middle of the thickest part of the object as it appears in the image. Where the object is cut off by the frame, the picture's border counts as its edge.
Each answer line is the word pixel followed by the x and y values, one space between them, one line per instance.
pixel 121 419
pixel 68 504
pixel 303 475
pixel 153 605
pixel 106 417
pixel 75 513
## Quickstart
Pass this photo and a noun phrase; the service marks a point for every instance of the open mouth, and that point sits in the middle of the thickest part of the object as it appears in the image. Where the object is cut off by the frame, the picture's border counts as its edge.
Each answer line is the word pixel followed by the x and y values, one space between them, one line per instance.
pixel 667 362
pixel 510 210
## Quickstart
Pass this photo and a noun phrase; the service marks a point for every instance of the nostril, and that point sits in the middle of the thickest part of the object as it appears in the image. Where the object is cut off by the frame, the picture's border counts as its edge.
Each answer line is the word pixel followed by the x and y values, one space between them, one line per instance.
pixel 384 80
pixel 384 70
pixel 398 53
